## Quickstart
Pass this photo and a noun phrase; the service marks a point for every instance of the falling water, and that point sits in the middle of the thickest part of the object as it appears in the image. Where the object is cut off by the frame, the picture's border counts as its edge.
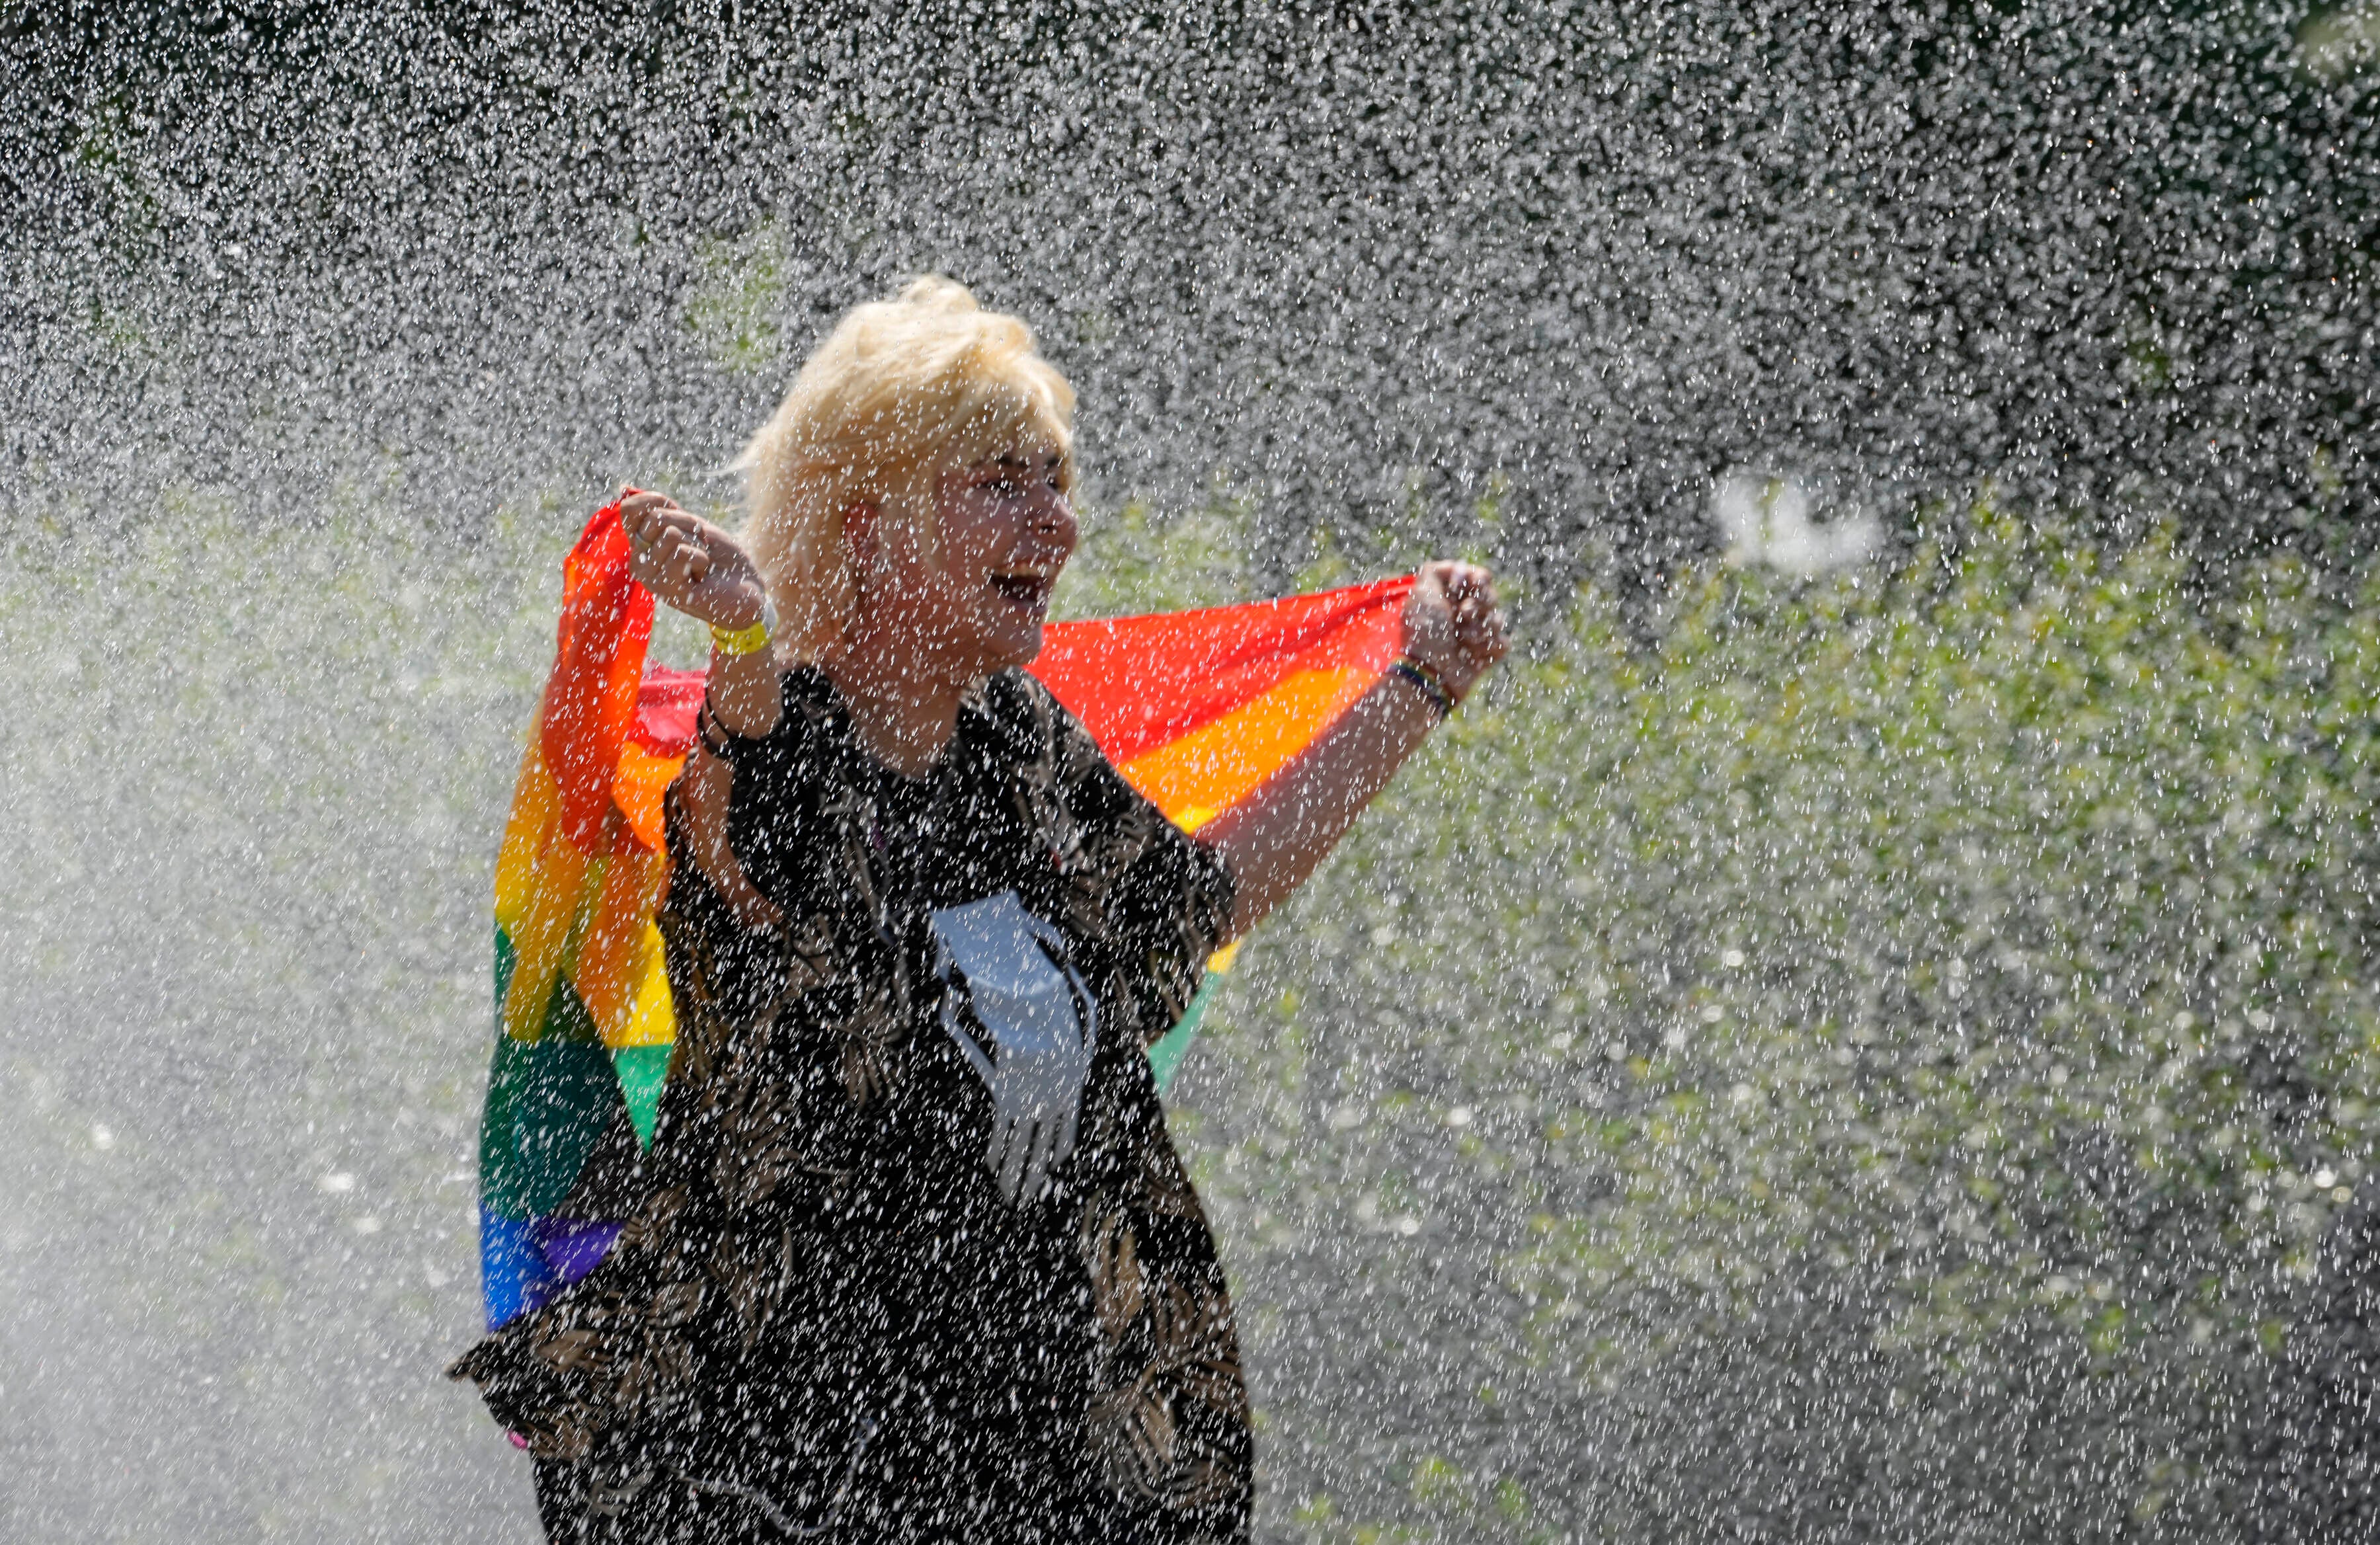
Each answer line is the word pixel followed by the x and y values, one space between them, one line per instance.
pixel 1863 1034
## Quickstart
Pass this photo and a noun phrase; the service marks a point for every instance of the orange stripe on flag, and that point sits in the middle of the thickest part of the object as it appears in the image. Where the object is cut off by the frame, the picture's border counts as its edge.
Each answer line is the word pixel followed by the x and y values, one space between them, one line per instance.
pixel 1202 775
pixel 637 786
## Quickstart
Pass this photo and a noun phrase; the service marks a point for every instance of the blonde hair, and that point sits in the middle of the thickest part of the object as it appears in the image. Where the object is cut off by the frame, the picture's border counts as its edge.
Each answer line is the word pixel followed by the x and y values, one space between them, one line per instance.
pixel 900 390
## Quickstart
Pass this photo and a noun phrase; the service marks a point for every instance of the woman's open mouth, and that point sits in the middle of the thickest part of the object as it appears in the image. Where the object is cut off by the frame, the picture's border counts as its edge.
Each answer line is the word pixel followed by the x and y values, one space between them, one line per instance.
pixel 1029 593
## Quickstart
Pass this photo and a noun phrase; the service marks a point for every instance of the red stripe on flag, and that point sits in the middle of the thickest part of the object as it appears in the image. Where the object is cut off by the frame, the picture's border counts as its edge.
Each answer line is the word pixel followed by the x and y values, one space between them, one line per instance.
pixel 590 700
pixel 666 707
pixel 1138 682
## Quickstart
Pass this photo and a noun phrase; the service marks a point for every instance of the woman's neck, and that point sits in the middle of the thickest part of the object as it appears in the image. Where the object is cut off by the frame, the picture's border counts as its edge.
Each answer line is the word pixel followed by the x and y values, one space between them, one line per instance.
pixel 903 711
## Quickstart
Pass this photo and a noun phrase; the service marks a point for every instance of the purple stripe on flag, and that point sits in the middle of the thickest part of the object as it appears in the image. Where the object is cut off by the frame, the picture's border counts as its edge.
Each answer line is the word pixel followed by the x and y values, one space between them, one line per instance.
pixel 574 1246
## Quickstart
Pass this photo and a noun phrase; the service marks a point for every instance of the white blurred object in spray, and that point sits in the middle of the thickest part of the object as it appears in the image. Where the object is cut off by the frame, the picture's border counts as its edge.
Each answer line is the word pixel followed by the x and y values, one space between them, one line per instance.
pixel 1766 520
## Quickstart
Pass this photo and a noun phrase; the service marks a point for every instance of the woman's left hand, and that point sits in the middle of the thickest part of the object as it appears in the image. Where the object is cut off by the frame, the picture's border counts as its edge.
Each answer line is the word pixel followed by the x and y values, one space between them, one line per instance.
pixel 1273 839
pixel 1453 625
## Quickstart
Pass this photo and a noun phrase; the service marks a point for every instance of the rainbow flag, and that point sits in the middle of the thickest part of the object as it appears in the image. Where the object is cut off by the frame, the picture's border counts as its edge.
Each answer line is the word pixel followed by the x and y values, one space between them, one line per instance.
pixel 1197 708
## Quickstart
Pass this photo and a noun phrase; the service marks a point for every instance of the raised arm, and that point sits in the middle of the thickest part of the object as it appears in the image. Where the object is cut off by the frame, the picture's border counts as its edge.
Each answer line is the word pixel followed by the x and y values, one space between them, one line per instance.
pixel 1277 836
pixel 702 570
pixel 695 567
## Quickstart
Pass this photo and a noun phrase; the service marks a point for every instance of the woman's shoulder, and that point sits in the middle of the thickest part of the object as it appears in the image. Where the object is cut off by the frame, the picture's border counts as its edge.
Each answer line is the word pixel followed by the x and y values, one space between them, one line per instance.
pixel 794 757
pixel 807 710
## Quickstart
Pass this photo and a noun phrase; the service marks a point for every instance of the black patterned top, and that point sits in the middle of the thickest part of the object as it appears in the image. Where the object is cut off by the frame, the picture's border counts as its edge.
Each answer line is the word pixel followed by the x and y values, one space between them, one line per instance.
pixel 912 1256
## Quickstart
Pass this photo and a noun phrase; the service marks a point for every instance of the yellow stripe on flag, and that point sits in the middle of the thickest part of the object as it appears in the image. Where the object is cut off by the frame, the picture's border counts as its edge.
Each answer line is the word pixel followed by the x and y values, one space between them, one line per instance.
pixel 605 971
pixel 649 1020
pixel 544 934
pixel 535 801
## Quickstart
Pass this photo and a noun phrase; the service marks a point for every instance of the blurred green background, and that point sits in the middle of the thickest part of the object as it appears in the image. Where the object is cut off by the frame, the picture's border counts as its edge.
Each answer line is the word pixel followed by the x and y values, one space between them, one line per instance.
pixel 1887 1054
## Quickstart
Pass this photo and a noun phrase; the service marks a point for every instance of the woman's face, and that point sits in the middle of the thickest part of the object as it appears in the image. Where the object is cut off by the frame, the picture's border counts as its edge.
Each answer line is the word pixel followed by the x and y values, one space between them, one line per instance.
pixel 1007 528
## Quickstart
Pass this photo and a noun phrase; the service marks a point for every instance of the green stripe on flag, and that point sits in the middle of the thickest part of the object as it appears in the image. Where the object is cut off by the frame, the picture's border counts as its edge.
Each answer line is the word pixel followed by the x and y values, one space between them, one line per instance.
pixel 1165 1053
pixel 641 1070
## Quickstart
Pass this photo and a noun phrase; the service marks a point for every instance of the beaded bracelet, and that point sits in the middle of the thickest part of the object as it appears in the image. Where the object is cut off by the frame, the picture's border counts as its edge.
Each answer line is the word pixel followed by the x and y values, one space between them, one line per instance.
pixel 716 737
pixel 1432 685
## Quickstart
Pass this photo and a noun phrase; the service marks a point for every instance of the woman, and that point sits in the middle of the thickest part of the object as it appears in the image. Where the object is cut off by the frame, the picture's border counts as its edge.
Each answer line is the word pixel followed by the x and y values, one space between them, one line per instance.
pixel 912 1257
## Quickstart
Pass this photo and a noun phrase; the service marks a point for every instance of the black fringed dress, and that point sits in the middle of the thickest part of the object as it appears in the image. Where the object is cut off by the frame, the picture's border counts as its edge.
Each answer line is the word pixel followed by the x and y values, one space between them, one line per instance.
pixel 912 1256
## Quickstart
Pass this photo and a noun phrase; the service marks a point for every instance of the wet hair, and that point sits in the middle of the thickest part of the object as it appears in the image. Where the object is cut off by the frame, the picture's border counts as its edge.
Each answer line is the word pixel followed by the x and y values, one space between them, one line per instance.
pixel 901 390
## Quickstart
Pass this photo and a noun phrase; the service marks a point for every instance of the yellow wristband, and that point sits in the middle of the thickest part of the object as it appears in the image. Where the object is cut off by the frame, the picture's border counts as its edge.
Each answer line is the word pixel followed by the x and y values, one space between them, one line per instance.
pixel 748 641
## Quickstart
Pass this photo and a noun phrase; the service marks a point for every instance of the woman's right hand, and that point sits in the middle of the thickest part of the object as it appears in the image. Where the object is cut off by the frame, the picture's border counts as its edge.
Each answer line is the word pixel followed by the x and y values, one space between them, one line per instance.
pixel 691 564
